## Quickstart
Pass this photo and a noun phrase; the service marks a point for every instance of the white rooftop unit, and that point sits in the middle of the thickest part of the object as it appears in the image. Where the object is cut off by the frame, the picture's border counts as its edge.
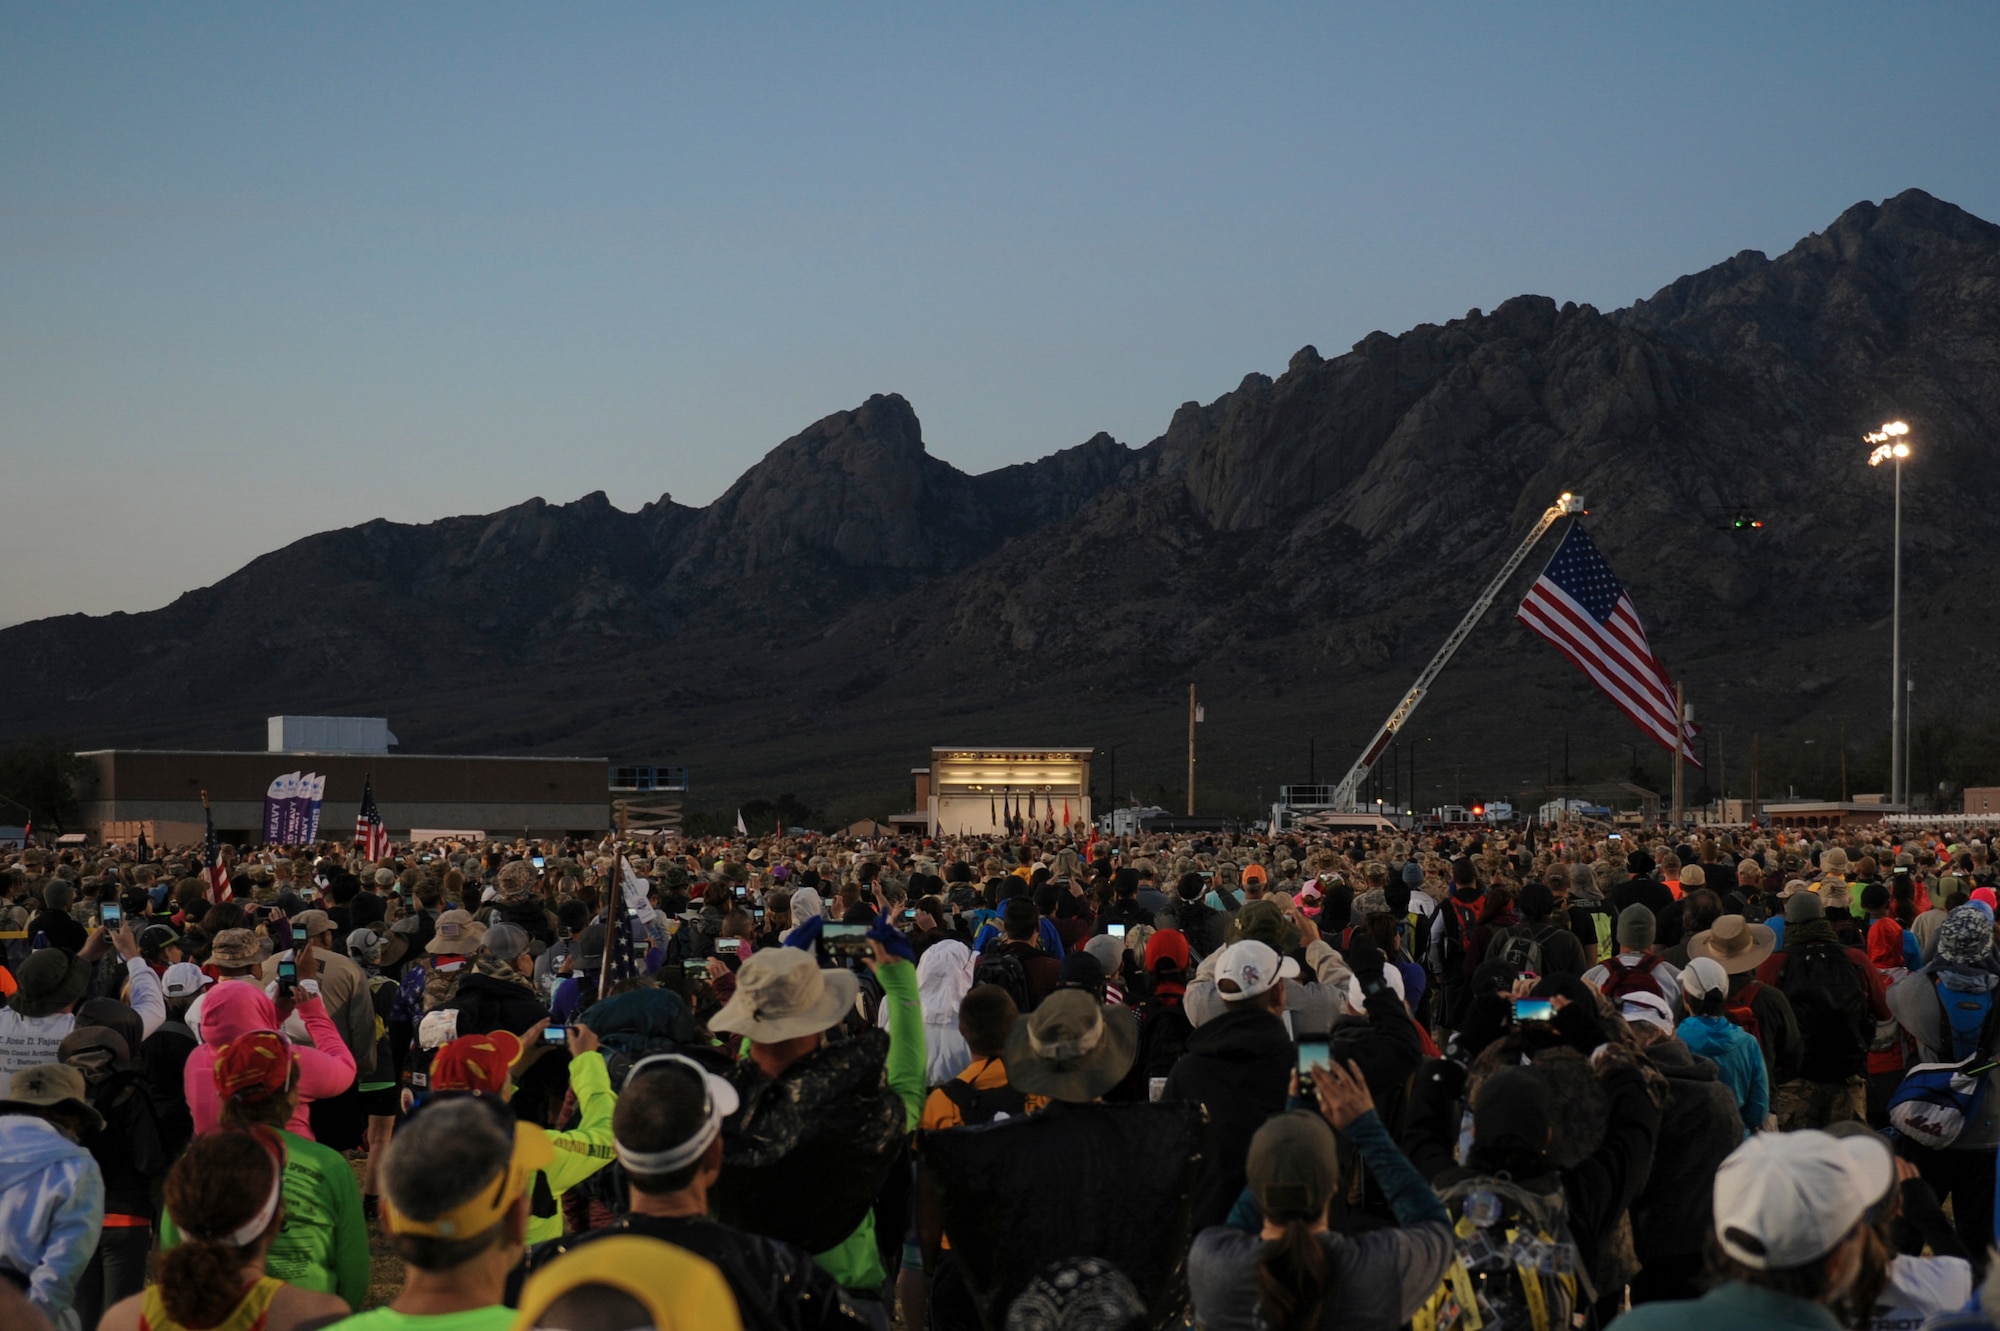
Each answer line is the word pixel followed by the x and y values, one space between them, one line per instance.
pixel 328 734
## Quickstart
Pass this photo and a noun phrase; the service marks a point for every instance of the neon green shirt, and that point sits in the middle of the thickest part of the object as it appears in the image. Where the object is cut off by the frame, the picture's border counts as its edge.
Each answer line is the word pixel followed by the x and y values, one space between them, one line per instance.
pixel 856 1261
pixel 583 1149
pixel 497 1318
pixel 323 1242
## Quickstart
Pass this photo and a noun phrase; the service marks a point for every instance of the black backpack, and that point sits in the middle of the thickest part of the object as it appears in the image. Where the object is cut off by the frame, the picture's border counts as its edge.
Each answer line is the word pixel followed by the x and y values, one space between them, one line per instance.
pixel 1830 998
pixel 977 1107
pixel 1522 950
pixel 1004 969
pixel 1163 1037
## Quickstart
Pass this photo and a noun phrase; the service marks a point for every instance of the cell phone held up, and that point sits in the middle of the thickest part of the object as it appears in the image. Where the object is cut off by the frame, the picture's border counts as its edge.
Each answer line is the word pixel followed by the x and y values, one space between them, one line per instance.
pixel 555 1035
pixel 728 946
pixel 111 914
pixel 1533 1009
pixel 288 976
pixel 847 942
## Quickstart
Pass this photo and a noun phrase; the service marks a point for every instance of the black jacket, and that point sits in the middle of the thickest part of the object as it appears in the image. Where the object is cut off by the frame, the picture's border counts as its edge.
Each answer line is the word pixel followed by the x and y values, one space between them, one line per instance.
pixel 488 1004
pixel 1655 897
pixel 128 1149
pixel 1699 1127
pixel 778 1287
pixel 1238 1067
pixel 1595 1191
pixel 62 929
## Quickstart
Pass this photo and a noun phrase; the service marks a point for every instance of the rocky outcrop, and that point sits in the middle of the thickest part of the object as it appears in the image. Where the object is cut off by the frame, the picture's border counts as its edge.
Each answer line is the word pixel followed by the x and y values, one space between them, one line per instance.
pixel 1300 543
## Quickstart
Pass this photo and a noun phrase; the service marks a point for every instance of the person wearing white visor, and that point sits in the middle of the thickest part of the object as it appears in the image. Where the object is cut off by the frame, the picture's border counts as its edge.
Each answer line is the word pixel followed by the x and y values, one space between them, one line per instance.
pixel 1791 1222
pixel 667 1132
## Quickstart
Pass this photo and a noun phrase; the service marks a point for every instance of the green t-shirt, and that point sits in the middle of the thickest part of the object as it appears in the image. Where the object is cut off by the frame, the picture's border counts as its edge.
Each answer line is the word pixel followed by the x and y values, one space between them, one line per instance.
pixel 497 1318
pixel 323 1243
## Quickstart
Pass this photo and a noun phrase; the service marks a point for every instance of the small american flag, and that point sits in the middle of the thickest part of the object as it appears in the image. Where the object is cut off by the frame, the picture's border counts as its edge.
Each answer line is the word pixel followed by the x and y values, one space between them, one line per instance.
pixel 213 871
pixel 370 836
pixel 1579 605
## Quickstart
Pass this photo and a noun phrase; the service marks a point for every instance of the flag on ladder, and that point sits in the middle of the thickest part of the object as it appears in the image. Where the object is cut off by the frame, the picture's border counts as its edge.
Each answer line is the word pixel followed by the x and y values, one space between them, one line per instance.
pixel 1579 605
pixel 371 836
pixel 214 873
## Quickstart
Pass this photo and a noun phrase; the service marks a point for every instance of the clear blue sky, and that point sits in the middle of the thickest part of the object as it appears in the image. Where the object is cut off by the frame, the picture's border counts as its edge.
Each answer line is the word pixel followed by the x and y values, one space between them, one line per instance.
pixel 270 269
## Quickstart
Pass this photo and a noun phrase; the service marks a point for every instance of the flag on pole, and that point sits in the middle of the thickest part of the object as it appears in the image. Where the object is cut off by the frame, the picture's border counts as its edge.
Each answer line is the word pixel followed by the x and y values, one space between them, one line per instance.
pixel 371 836
pixel 741 828
pixel 1579 605
pixel 624 942
pixel 213 871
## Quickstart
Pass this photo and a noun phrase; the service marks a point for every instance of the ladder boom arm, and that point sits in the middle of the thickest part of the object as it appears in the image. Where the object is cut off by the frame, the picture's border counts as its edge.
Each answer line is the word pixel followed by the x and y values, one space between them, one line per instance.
pixel 1344 795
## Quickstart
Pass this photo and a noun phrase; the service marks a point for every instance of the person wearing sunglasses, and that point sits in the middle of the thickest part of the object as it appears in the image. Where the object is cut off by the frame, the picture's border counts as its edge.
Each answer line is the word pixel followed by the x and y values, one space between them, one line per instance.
pixel 668 1135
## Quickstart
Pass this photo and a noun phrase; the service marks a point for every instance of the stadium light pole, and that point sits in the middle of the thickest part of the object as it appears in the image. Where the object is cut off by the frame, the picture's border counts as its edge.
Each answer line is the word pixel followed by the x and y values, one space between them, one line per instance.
pixel 1891 446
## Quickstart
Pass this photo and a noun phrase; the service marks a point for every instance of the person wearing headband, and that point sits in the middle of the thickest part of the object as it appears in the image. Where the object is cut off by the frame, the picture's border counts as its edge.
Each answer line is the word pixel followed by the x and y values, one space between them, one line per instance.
pixel 226 1194
pixel 668 1134
pixel 325 1246
pixel 455 1185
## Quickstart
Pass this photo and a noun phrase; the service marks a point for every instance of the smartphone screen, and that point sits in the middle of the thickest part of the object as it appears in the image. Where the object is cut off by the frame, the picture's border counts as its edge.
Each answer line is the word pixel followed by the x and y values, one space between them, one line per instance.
pixel 846 940
pixel 1115 930
pixel 1313 1053
pixel 111 913
pixel 729 945
pixel 1533 1009
pixel 288 970
pixel 537 862
pixel 555 1035
pixel 910 914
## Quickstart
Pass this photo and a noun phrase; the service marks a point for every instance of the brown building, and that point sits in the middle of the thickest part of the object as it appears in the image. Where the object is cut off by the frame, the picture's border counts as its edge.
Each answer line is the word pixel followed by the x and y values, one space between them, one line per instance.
pixel 161 790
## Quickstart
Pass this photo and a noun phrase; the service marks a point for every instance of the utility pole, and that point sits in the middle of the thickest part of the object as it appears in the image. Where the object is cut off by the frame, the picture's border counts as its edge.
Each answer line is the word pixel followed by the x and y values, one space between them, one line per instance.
pixel 1680 729
pixel 1756 788
pixel 1194 715
pixel 1843 760
pixel 1909 702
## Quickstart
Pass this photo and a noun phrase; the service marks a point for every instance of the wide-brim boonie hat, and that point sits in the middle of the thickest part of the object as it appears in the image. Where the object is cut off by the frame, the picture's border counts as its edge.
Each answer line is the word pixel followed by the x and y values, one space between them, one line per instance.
pixel 1735 944
pixel 49 981
pixel 458 935
pixel 46 1086
pixel 1072 1047
pixel 782 994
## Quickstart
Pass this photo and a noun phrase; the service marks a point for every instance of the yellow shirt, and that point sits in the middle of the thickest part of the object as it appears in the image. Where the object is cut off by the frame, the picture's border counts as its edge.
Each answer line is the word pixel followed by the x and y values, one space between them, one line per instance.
pixel 986 1075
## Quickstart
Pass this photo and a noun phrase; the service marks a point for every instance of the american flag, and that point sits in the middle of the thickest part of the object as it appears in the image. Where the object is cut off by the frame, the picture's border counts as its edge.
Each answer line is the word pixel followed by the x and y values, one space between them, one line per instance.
pixel 213 871
pixel 1579 605
pixel 370 836
pixel 622 941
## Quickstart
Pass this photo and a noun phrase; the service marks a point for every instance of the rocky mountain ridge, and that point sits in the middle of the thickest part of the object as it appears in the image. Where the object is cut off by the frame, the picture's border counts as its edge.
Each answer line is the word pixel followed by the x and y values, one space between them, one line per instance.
pixel 1298 545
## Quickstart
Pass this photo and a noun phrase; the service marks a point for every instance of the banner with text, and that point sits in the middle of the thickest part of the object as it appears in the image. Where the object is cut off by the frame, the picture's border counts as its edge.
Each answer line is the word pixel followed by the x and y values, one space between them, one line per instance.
pixel 291 809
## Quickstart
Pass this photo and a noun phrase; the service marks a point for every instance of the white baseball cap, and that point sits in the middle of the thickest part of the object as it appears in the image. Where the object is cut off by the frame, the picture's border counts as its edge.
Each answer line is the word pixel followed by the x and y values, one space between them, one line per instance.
pixel 1704 975
pixel 1783 1199
pixel 1642 1006
pixel 183 979
pixel 1249 968
pixel 1392 975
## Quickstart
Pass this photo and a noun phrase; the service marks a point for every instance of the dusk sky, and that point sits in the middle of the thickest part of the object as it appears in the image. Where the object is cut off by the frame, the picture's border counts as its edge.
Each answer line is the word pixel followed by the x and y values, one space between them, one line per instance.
pixel 266 270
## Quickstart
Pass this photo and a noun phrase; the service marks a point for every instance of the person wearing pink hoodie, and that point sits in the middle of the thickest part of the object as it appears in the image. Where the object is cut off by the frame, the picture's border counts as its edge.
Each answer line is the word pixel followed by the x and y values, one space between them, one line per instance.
pixel 234 1008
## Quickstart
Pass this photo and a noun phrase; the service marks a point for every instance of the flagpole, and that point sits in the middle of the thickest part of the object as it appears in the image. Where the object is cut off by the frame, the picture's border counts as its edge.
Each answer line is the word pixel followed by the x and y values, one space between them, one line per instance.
pixel 1191 707
pixel 1680 764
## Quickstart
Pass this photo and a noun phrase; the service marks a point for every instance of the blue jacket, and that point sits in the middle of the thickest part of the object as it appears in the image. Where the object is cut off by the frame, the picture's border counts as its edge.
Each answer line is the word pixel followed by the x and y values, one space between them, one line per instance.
pixel 51 1211
pixel 1739 1061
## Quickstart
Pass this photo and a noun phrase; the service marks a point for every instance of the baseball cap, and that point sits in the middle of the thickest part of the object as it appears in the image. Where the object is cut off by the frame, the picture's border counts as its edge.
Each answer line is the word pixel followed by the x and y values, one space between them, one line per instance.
pixel 254 1066
pixel 1358 1000
pixel 1704 975
pixel 1642 1006
pixel 1249 968
pixel 476 1063
pixel 311 923
pixel 184 979
pixel 1783 1199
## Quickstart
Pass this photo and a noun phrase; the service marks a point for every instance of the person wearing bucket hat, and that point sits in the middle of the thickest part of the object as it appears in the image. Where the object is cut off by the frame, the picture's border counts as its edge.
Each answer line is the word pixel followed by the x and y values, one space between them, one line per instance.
pixel 1237 1067
pixel 1297 1271
pixel 668 1132
pixel 132 1155
pixel 1790 1223
pixel 1941 1009
pixel 51 982
pixel 51 1190
pixel 820 1118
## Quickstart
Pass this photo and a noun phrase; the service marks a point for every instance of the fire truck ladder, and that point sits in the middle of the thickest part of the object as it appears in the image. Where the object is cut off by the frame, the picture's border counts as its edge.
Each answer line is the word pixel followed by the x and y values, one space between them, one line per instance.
pixel 1345 794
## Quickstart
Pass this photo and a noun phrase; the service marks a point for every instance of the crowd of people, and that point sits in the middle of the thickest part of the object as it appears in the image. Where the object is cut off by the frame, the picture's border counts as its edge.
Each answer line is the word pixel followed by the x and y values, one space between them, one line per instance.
pixel 1535 1078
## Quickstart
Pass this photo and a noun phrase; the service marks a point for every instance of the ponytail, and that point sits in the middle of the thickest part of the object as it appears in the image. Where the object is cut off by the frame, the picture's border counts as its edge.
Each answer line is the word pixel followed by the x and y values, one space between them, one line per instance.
pixel 201 1281
pixel 1293 1280
pixel 1712 1003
